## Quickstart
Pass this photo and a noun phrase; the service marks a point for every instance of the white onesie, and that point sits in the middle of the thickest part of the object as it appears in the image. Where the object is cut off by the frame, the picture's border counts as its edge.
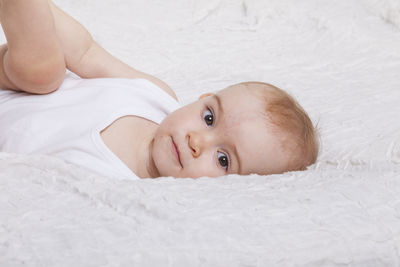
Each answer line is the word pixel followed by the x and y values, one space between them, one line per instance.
pixel 68 122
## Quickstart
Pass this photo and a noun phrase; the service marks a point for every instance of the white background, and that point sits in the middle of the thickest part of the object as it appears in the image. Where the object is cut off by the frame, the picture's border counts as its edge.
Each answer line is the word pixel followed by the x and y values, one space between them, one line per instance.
pixel 340 59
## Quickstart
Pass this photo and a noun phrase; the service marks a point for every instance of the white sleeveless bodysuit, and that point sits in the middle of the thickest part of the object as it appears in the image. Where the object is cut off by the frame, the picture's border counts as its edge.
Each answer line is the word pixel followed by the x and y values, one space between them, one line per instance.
pixel 67 123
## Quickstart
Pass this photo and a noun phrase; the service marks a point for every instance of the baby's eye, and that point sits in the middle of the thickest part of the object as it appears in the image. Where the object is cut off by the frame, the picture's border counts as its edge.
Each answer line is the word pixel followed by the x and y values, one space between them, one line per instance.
pixel 223 160
pixel 208 117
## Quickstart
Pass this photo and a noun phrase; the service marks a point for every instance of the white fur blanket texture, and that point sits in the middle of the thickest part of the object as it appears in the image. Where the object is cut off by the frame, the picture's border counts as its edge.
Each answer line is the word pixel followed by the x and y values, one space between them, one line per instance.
pixel 340 59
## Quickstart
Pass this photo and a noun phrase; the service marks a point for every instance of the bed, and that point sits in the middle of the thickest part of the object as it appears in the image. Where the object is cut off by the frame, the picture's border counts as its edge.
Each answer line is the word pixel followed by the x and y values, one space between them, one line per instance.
pixel 340 59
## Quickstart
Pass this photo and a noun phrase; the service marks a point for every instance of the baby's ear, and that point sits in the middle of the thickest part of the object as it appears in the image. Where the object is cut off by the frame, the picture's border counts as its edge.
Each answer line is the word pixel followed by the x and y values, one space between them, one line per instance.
pixel 205 95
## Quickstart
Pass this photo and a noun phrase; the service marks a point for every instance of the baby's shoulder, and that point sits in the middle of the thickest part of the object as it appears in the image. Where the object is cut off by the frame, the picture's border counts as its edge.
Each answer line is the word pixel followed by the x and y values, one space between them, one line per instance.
pixel 164 86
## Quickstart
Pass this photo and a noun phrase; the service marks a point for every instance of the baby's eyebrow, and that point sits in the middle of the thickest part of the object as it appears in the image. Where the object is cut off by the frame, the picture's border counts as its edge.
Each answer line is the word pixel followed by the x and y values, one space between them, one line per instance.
pixel 219 102
pixel 221 111
pixel 238 159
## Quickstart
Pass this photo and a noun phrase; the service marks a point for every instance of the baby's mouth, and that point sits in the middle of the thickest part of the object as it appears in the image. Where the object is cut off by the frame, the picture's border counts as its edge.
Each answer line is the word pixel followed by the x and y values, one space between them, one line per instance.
pixel 176 150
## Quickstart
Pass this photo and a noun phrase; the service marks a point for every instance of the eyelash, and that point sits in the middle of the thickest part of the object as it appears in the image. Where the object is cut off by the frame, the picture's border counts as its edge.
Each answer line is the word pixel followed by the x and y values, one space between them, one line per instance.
pixel 226 154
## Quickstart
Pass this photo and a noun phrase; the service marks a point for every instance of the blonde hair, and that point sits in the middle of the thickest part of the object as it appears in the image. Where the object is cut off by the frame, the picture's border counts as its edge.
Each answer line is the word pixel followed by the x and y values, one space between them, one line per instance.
pixel 298 134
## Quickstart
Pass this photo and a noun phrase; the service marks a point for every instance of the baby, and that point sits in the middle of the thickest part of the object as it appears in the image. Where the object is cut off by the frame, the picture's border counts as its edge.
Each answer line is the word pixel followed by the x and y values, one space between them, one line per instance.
pixel 250 127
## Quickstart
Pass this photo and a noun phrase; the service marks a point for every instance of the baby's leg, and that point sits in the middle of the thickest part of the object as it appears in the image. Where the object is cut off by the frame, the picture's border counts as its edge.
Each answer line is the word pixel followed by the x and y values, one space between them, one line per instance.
pixel 32 60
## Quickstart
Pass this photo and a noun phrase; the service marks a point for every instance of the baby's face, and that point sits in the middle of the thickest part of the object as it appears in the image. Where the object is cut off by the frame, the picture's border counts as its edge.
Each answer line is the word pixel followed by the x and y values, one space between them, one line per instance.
pixel 215 138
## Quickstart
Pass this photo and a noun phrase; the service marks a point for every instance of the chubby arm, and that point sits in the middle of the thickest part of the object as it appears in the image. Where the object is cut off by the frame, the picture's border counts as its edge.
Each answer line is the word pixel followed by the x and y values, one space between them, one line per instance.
pixel 32 60
pixel 87 58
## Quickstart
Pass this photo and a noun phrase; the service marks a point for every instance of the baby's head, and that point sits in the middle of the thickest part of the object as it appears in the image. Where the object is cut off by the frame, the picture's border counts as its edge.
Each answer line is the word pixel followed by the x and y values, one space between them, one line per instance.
pixel 250 127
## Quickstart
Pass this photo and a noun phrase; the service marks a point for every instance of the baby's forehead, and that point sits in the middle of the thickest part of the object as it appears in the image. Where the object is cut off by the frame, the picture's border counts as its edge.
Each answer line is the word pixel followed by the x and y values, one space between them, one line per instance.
pixel 241 115
pixel 248 91
pixel 240 100
pixel 245 107
pixel 255 141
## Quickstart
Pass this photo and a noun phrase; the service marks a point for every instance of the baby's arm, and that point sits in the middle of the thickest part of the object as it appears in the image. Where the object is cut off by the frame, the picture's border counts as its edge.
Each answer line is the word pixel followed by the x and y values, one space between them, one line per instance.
pixel 87 58
pixel 58 41
pixel 32 60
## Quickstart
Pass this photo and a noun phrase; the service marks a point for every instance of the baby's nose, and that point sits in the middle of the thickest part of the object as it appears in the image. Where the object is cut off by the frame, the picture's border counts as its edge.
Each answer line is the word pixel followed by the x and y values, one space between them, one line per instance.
pixel 198 142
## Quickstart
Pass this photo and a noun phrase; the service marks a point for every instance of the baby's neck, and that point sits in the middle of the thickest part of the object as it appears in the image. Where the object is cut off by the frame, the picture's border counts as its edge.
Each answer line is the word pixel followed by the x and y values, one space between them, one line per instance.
pixel 145 167
pixel 131 139
pixel 144 164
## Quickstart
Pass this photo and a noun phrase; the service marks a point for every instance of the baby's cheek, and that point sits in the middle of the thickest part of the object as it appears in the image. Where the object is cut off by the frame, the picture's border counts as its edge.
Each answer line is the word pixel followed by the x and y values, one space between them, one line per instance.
pixel 197 170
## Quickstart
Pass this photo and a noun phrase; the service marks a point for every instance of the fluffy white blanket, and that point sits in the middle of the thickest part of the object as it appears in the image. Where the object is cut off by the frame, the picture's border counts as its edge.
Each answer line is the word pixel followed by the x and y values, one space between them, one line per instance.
pixel 340 59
